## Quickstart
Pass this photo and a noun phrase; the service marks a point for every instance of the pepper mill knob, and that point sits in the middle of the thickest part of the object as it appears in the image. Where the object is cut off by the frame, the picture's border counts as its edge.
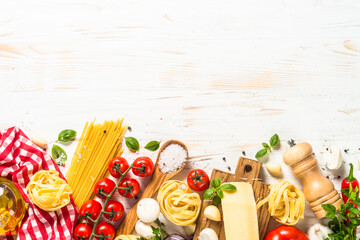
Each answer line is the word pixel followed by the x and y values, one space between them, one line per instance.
pixel 318 189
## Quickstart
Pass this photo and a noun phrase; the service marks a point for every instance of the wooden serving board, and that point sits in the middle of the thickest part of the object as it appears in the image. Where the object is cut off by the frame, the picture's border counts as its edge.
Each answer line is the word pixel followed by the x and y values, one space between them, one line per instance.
pixel 247 170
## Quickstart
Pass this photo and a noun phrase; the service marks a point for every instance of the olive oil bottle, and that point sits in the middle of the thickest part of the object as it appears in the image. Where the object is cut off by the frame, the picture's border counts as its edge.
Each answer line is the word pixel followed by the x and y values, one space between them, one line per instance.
pixel 12 206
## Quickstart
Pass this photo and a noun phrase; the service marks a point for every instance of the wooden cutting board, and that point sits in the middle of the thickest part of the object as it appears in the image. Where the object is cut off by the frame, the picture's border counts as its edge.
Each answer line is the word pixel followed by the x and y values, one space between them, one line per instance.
pixel 247 170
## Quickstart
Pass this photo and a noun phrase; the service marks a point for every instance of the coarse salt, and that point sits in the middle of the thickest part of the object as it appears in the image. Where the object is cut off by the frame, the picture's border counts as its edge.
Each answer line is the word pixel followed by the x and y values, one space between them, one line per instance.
pixel 172 158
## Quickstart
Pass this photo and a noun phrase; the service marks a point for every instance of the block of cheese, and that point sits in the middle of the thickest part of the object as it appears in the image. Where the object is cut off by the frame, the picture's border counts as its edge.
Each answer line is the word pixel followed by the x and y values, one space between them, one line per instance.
pixel 239 213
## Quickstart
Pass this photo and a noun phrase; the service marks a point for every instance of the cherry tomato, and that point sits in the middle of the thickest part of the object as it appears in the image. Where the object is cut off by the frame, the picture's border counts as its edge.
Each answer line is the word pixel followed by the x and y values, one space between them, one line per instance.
pixel 198 180
pixel 119 163
pixel 286 233
pixel 116 207
pixel 132 184
pixel 105 229
pixel 91 208
pixel 103 185
pixel 144 167
pixel 82 231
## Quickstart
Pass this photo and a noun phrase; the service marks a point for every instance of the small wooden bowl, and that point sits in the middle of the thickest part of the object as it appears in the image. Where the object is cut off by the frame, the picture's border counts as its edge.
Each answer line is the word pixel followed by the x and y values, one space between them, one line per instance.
pixel 157 179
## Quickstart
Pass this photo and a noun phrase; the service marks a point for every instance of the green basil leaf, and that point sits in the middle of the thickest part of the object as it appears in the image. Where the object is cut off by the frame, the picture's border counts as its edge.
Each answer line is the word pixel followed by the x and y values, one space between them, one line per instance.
pixel 228 187
pixel 274 140
pixel 265 145
pixel 216 200
pixel 152 146
pixel 209 193
pixel 132 144
pixel 220 193
pixel 261 153
pixel 67 135
pixel 217 182
pixel 59 155
pixel 212 182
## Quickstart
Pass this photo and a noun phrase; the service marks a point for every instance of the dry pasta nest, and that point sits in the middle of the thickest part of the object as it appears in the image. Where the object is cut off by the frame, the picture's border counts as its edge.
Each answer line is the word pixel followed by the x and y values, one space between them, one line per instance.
pixel 286 203
pixel 178 203
pixel 48 191
pixel 126 237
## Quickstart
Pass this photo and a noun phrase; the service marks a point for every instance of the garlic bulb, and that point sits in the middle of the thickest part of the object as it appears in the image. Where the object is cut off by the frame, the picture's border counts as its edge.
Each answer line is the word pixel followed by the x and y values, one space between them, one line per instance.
pixel 318 232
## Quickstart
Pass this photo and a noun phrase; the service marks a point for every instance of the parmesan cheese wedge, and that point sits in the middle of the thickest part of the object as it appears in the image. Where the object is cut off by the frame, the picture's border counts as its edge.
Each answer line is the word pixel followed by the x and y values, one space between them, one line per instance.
pixel 239 213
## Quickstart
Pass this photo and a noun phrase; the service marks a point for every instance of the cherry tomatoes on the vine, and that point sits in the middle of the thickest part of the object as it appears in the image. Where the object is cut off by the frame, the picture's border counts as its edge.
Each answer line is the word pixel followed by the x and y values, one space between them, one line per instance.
pixel 82 231
pixel 116 165
pixel 105 229
pixel 143 167
pixel 198 180
pixel 116 209
pixel 91 208
pixel 132 188
pixel 103 185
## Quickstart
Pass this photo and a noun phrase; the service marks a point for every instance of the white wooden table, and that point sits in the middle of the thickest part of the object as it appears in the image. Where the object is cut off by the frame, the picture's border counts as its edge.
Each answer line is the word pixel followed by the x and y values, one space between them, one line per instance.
pixel 221 76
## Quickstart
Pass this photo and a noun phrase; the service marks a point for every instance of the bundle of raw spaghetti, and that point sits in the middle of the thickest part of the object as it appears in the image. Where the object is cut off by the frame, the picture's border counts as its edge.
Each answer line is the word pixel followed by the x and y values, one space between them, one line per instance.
pixel 286 203
pixel 99 143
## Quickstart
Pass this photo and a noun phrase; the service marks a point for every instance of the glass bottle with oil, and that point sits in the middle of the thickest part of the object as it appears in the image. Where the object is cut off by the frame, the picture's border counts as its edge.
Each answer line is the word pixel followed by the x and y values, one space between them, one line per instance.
pixel 12 206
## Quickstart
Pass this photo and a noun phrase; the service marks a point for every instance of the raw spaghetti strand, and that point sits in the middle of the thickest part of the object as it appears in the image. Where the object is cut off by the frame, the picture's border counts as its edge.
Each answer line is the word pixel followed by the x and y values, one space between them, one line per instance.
pixel 286 203
pixel 99 143
pixel 178 203
pixel 48 191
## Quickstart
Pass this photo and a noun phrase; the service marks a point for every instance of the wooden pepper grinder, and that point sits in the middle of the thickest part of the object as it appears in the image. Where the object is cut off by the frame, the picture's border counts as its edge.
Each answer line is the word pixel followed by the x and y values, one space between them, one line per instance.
pixel 317 188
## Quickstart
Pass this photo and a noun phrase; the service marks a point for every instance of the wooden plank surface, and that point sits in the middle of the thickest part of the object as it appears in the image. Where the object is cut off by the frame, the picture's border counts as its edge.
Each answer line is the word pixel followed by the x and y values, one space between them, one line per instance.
pixel 221 77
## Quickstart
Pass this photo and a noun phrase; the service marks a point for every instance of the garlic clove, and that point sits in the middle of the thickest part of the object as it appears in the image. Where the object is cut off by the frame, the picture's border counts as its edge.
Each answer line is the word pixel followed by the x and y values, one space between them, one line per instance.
pixel 212 213
pixel 39 140
pixel 274 169
pixel 333 158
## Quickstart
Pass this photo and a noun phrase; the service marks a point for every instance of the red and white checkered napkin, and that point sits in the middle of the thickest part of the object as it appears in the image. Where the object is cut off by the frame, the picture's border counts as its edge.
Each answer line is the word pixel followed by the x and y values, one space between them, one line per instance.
pixel 19 160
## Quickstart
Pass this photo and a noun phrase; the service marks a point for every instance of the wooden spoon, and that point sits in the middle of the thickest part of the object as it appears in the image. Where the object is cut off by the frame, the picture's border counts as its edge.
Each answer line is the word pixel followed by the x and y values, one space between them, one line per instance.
pixel 158 178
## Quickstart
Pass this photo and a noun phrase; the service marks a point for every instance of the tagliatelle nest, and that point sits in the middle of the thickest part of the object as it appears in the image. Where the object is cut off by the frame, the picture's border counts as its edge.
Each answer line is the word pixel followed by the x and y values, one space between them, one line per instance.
pixel 178 203
pixel 48 191
pixel 286 203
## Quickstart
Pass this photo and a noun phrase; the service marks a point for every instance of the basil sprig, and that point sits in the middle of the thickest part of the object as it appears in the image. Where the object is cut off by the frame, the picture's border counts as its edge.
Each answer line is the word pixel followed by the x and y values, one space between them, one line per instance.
pixel 59 155
pixel 152 146
pixel 274 142
pixel 216 191
pixel 66 135
pixel 132 144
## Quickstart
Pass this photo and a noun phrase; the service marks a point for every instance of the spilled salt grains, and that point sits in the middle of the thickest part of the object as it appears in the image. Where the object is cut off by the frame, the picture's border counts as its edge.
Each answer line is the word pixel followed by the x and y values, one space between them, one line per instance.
pixel 172 158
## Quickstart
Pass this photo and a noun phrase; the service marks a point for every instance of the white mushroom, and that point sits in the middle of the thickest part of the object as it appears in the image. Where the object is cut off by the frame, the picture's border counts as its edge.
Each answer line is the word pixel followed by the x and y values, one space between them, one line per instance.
pixel 144 229
pixel 208 234
pixel 333 158
pixel 148 210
